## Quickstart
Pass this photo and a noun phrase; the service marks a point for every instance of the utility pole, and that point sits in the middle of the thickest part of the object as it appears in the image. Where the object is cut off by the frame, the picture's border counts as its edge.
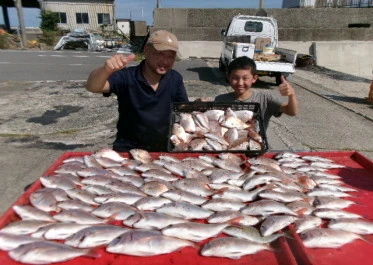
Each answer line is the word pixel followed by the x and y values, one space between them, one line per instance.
pixel 158 3
pixel 18 4
pixel 261 4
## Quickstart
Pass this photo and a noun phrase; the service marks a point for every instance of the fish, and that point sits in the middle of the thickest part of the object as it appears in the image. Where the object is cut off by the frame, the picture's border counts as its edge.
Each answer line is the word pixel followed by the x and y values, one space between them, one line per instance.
pixel 214 115
pixel 316 192
pixel 69 169
pixel 155 188
pixel 95 236
pixel 231 247
pixel 46 252
pixel 23 227
pixel 125 171
pixel 201 120
pixel 234 122
pixel 44 200
pixel 306 223
pixel 128 198
pixel 195 186
pixel 141 155
pixel 192 231
pixel 185 210
pixel 327 238
pixel 108 209
pixel 151 203
pixel 250 233
pixel 301 207
pixel 231 135
pixel 109 153
pixel 289 196
pixel 107 162
pixel 357 226
pixel 219 175
pixel 158 174
pixel 11 241
pixel 331 202
pixel 187 122
pixel 228 165
pixel 237 195
pixel 275 223
pixel 244 115
pixel 185 196
pixel 265 161
pixel 27 212
pixel 75 204
pixel 57 181
pixel 266 208
pixel 58 231
pixel 142 243
pixel 334 214
pixel 90 161
pixel 82 195
pixel 218 205
pixel 96 189
pixel 91 171
pixel 152 220
pixel 314 158
pixel 78 216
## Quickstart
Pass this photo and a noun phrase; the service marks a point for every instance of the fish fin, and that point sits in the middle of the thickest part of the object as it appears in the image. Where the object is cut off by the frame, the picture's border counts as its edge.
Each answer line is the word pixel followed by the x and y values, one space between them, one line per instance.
pixel 93 252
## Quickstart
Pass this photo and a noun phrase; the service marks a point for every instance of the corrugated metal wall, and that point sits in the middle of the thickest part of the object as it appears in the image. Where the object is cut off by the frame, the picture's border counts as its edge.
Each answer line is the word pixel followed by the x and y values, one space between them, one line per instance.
pixel 91 7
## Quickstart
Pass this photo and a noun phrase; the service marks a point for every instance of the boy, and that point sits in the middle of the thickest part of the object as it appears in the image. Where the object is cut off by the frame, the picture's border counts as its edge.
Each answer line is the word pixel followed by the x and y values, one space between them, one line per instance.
pixel 241 73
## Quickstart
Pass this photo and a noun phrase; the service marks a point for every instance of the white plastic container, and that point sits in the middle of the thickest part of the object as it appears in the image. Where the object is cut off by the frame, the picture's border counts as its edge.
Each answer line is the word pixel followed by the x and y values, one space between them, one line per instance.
pixel 245 49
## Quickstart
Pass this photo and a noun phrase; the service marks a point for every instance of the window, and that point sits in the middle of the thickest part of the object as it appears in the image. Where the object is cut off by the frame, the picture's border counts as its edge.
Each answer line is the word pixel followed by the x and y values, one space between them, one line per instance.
pixel 82 18
pixel 252 26
pixel 62 17
pixel 103 18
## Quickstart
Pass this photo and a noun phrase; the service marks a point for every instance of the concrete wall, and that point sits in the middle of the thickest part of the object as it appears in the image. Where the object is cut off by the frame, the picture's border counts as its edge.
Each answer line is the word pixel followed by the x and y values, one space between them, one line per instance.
pixel 295 24
pixel 321 32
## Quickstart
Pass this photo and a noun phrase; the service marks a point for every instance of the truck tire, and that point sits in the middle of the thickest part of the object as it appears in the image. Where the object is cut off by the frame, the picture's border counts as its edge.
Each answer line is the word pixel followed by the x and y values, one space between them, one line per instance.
pixel 221 65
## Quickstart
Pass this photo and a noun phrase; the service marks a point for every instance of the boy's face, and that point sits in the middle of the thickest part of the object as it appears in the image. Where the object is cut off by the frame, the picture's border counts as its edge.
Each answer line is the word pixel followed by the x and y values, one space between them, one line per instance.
pixel 241 81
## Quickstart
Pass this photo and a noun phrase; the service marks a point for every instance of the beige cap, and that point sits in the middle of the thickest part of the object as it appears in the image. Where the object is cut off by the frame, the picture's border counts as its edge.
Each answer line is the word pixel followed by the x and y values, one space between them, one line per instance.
pixel 162 40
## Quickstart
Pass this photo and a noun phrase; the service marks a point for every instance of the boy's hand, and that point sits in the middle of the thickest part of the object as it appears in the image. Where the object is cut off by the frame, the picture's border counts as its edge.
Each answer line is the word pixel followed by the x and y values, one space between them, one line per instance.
pixel 285 88
pixel 118 62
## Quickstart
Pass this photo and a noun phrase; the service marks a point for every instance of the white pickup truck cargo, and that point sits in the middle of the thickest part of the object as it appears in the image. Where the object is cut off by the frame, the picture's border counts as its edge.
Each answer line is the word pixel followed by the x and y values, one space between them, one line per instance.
pixel 257 37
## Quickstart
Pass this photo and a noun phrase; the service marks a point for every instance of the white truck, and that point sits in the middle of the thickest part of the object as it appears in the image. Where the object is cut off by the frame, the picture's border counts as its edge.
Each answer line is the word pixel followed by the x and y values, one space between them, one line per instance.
pixel 257 37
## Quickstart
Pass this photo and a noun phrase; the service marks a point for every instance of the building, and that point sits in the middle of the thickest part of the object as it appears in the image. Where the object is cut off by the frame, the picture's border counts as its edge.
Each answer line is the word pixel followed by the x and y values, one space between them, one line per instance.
pixel 326 3
pixel 88 15
pixel 124 26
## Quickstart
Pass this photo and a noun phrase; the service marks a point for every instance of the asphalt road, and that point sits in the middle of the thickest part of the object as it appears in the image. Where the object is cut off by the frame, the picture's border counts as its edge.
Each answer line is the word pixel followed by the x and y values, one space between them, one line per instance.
pixel 41 120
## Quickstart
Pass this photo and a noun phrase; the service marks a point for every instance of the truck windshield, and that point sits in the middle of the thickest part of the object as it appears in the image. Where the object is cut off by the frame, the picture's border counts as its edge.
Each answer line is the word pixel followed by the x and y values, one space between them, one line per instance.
pixel 252 26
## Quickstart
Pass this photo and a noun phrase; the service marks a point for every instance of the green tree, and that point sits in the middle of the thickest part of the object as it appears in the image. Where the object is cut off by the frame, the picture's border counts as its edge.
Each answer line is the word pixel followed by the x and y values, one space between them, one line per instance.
pixel 49 20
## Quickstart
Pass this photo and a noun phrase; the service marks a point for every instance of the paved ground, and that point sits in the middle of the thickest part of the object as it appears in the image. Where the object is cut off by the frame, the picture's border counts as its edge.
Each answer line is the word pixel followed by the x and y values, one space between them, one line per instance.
pixel 39 121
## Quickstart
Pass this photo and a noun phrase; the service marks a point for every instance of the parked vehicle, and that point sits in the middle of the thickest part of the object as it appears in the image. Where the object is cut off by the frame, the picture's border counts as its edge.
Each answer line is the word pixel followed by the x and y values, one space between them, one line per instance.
pixel 257 37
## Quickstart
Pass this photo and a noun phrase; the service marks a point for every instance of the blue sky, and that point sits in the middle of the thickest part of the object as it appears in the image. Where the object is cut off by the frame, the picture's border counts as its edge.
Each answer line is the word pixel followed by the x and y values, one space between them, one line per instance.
pixel 143 9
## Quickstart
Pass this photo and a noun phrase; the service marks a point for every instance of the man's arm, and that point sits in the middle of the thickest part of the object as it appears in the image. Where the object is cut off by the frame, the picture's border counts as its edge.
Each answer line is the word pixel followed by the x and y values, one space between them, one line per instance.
pixel 97 80
pixel 291 107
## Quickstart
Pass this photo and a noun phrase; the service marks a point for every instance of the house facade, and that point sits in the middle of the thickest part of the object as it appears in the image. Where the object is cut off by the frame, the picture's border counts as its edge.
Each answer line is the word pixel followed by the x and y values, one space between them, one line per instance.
pixel 88 15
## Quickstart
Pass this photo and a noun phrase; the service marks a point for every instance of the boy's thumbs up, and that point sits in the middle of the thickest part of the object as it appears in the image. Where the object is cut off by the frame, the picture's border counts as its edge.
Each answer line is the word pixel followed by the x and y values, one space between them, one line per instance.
pixel 285 88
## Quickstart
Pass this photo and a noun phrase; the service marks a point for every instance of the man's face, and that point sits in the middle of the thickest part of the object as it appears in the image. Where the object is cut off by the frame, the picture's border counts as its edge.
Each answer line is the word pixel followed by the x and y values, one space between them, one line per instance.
pixel 241 80
pixel 159 61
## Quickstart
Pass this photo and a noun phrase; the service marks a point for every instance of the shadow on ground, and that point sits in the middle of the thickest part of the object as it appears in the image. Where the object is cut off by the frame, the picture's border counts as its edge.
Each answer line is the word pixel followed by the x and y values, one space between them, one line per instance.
pixel 204 74
pixel 348 99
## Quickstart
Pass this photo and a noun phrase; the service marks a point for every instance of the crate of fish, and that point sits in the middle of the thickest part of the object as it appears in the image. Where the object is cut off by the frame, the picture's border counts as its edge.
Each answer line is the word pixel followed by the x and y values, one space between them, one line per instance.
pixel 214 127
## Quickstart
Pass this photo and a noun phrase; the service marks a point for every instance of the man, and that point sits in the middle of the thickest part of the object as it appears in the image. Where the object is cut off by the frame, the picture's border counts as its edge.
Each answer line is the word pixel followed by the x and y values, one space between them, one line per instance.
pixel 145 93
